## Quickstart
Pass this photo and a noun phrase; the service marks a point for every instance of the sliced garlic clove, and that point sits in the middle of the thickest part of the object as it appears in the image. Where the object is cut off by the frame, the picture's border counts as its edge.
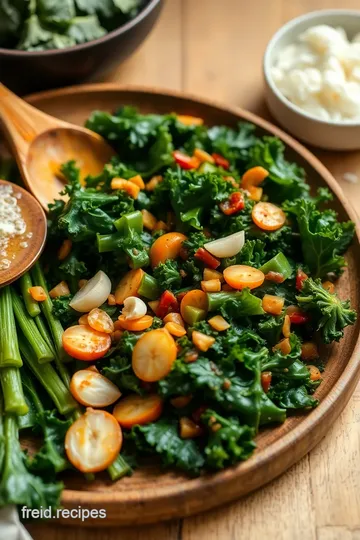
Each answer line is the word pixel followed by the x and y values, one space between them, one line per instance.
pixel 93 441
pixel 93 294
pixel 92 389
pixel 134 308
pixel 229 246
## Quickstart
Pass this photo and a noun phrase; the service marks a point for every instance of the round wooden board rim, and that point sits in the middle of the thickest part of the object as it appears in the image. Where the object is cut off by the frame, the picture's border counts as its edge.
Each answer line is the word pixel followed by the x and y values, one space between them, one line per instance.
pixel 160 502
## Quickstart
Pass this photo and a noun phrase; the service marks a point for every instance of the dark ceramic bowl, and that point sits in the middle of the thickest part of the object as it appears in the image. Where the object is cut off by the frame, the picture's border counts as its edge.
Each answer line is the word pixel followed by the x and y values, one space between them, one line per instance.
pixel 26 72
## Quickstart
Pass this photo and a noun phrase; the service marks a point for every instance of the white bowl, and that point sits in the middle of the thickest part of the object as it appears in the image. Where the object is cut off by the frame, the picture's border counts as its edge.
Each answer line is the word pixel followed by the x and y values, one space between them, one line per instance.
pixel 324 134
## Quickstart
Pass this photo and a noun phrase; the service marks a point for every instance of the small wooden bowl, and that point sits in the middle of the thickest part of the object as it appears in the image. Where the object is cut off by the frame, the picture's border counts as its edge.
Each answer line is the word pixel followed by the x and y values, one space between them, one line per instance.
pixel 25 257
pixel 153 494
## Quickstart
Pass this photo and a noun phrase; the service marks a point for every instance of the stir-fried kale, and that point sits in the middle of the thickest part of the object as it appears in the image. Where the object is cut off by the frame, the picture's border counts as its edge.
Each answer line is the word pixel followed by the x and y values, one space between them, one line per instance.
pixel 331 315
pixel 62 310
pixel 286 180
pixel 143 141
pixel 252 254
pixel 168 275
pixel 18 485
pixel 229 442
pixel 86 212
pixel 120 372
pixel 323 238
pixel 50 459
pixel 270 328
pixel 191 195
pixel 163 438
pixel 289 397
pixel 241 382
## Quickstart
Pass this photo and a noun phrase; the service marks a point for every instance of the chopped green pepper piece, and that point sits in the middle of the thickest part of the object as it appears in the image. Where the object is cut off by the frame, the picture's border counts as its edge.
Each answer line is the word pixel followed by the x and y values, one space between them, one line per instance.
pixel 207 167
pixel 193 315
pixel 278 264
pixel 149 287
pixel 133 221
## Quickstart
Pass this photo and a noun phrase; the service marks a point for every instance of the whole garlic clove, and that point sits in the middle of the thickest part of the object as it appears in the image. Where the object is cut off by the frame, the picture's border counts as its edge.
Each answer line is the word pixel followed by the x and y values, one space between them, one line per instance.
pixel 134 308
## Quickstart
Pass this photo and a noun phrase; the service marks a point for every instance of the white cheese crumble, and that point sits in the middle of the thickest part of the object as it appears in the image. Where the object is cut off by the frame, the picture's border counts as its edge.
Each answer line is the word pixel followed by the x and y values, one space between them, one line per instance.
pixel 11 222
pixel 320 73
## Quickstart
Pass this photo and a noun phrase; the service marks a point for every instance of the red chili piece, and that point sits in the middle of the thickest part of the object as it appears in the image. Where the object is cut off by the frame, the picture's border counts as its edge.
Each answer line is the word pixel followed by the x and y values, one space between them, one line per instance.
pixel 266 377
pixel 300 278
pixel 234 204
pixel 207 258
pixel 220 161
pixel 167 304
pixel 184 161
pixel 299 318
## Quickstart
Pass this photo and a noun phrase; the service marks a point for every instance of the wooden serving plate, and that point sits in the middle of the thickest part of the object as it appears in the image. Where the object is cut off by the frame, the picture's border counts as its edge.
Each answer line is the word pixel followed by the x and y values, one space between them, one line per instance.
pixel 152 494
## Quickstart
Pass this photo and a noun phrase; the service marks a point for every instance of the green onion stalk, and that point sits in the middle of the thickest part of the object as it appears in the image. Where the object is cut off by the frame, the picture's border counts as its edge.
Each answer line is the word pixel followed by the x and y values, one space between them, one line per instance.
pixel 54 324
pixel 30 330
pixel 9 349
pixel 50 380
pixel 14 400
pixel 31 305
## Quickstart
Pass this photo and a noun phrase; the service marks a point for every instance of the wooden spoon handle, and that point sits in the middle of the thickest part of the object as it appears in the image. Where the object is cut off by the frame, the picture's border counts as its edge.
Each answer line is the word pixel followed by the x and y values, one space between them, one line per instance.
pixel 22 122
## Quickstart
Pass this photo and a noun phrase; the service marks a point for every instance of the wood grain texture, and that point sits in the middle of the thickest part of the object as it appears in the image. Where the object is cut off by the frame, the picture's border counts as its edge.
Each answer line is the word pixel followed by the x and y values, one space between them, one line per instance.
pixel 319 509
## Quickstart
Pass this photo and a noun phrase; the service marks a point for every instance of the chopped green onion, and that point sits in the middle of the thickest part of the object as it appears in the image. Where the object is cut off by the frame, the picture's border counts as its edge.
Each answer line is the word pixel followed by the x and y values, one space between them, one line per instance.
pixel 14 400
pixel 31 305
pixel 9 349
pixel 149 287
pixel 30 330
pixel 278 264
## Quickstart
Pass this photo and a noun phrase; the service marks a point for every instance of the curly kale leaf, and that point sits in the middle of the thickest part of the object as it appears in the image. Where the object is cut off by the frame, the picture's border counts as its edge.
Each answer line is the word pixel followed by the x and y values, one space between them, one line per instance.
pixel 331 314
pixel 178 382
pixel 224 225
pixel 114 169
pixel 163 438
pixel 229 444
pixel 283 240
pixel 293 397
pixel 120 372
pixel 143 141
pixel 86 213
pixel 62 310
pixel 270 328
pixel 237 389
pixel 251 254
pixel 50 459
pixel 187 190
pixel 51 456
pixel 286 179
pixel 167 275
pixel 278 362
pixel 233 144
pixel 18 485
pixel 323 238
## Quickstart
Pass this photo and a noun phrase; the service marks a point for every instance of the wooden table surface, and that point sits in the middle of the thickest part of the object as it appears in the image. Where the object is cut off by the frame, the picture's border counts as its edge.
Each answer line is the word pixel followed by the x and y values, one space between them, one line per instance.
pixel 214 48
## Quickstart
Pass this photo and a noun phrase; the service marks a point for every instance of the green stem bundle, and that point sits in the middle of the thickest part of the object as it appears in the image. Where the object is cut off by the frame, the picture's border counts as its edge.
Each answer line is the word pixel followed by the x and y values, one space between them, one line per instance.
pixel 31 305
pixel 9 349
pixel 54 324
pixel 30 330
pixel 49 379
pixel 14 400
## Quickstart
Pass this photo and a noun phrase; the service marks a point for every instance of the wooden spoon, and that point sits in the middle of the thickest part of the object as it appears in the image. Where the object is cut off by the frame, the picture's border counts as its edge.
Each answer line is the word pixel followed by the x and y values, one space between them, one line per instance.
pixel 21 252
pixel 42 143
